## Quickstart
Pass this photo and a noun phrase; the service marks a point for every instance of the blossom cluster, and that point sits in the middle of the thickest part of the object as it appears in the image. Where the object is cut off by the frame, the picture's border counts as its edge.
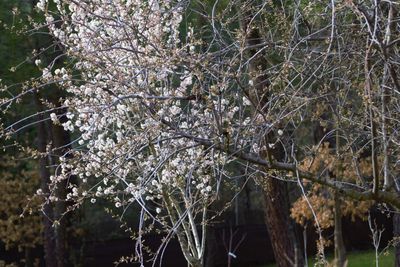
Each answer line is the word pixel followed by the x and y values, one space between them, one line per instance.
pixel 128 108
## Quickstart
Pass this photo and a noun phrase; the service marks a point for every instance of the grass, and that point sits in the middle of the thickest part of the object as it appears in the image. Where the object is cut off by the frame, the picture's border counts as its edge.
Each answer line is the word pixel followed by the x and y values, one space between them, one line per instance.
pixel 360 259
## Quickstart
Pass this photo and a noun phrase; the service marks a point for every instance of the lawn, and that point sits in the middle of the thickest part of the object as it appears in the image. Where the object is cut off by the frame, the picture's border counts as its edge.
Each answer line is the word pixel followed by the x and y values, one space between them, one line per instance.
pixel 361 259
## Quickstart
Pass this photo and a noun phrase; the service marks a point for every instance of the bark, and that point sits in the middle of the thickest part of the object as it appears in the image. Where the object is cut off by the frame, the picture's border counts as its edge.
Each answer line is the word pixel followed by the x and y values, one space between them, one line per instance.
pixel 278 222
pixel 49 237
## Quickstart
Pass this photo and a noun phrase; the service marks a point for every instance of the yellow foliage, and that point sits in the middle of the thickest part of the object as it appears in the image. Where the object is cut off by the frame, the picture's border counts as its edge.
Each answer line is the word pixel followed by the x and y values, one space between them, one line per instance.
pixel 322 203
pixel 343 168
pixel 17 185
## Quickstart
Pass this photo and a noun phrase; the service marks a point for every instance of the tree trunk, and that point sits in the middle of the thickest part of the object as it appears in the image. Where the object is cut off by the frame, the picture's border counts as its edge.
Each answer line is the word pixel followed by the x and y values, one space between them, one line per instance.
pixel 340 250
pixel 49 237
pixel 275 191
pixel 278 223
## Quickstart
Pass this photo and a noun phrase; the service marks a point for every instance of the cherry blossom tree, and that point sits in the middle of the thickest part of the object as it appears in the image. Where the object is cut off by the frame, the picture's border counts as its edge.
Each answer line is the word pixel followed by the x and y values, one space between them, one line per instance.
pixel 125 104
pixel 166 98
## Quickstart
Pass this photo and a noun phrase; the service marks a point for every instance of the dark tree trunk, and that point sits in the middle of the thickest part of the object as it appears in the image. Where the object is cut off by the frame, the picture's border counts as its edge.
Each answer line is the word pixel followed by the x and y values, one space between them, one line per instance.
pixel 55 239
pixel 278 223
pixel 61 140
pixel 49 237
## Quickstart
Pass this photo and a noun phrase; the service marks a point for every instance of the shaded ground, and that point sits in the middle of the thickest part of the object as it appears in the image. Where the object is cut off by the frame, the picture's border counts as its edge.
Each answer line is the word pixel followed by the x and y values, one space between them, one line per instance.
pixel 255 249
